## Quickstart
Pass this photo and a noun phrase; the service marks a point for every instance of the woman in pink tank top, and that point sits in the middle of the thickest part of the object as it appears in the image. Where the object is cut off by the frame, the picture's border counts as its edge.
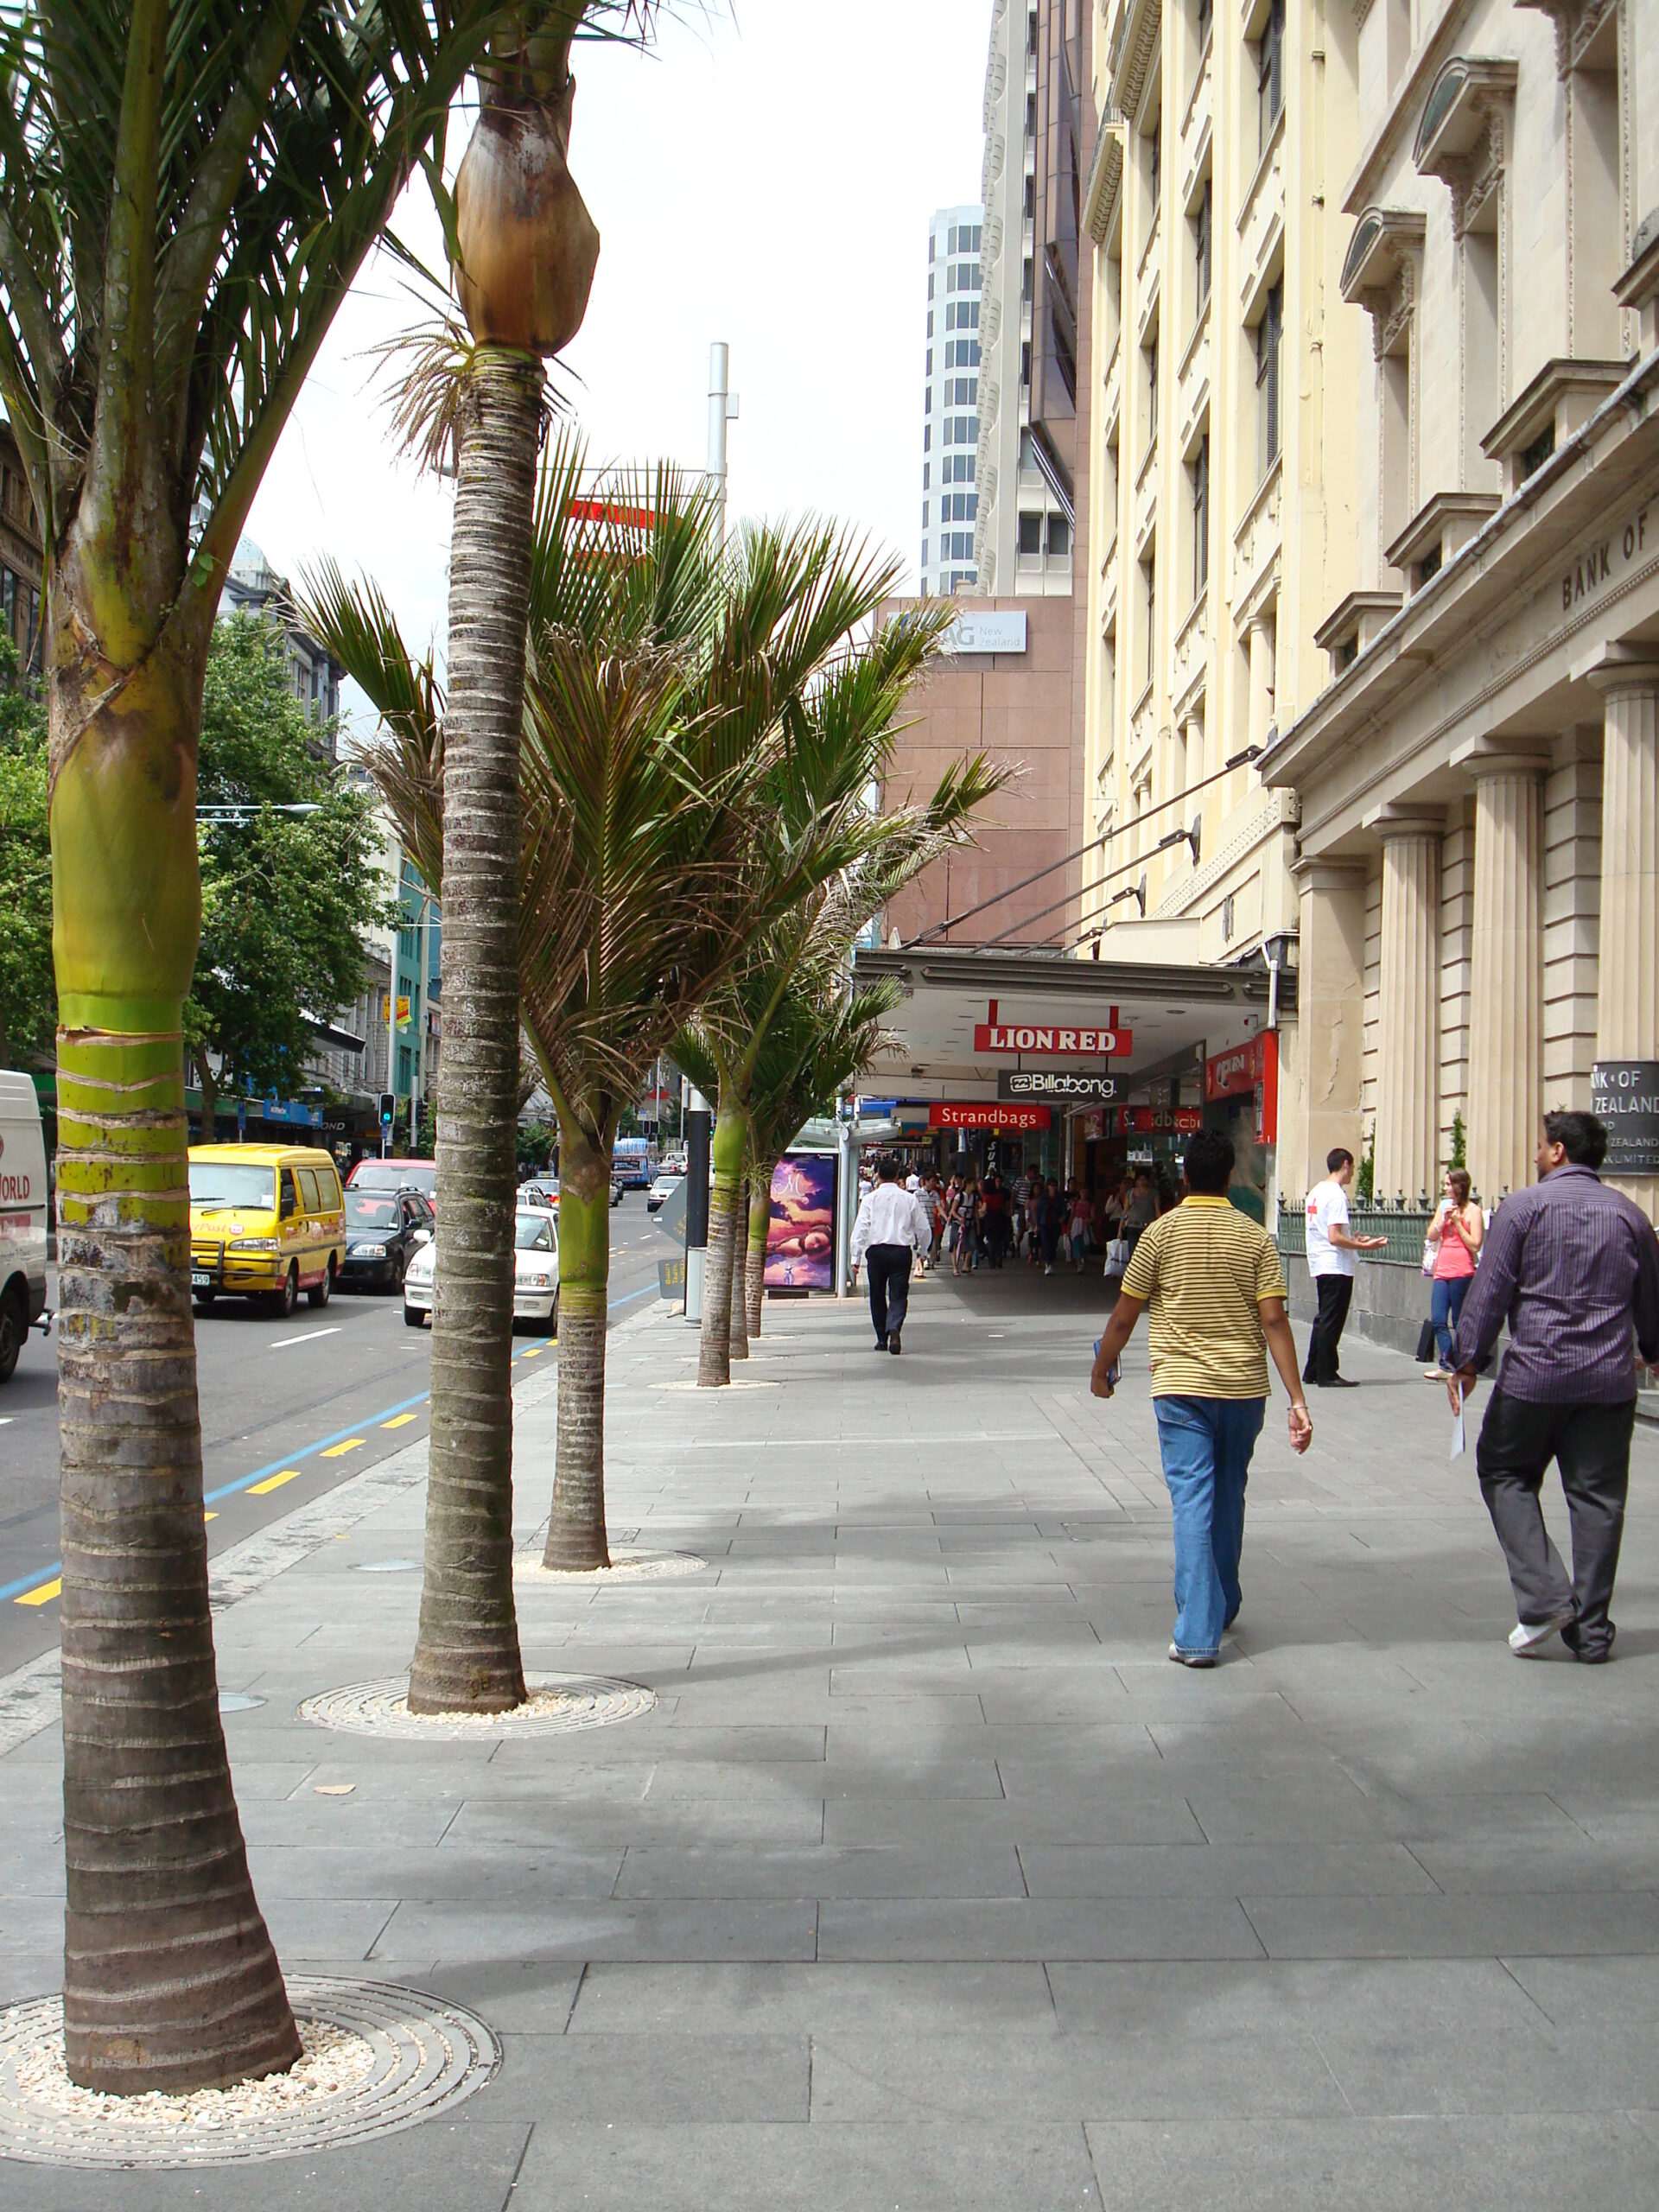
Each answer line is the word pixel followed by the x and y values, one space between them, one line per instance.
pixel 1456 1232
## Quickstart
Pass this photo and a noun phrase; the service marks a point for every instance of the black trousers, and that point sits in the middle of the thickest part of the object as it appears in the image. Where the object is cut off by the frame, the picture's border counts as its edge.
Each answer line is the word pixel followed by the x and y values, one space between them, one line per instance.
pixel 1591 1446
pixel 1335 1293
pixel 889 1266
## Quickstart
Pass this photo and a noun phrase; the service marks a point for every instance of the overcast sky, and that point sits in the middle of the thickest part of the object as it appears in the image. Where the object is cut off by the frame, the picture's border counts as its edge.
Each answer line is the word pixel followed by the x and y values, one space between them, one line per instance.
pixel 764 176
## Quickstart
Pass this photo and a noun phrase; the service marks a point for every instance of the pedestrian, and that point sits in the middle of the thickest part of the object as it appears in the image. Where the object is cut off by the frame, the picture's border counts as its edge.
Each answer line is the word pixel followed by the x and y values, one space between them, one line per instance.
pixel 1573 1267
pixel 1455 1233
pixel 890 1231
pixel 1082 1228
pixel 1331 1250
pixel 1141 1211
pixel 1212 1279
pixel 1051 1223
pixel 966 1252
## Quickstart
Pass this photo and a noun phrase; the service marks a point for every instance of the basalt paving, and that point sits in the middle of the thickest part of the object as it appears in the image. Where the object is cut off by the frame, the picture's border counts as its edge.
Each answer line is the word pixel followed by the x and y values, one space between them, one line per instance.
pixel 928 1882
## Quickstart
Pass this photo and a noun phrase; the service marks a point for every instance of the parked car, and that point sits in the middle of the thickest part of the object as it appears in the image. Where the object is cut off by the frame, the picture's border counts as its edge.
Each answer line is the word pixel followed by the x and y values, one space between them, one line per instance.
pixel 266 1222
pixel 664 1188
pixel 23 1215
pixel 619 1190
pixel 383 1231
pixel 536 1268
pixel 420 1175
pixel 544 1190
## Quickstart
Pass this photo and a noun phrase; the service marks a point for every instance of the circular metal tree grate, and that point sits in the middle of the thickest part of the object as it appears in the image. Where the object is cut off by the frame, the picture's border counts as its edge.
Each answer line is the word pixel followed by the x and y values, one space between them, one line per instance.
pixel 556 1704
pixel 627 1565
pixel 376 2059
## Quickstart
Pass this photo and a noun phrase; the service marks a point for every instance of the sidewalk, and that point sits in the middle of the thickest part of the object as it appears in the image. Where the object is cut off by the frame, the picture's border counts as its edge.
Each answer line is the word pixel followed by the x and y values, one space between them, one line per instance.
pixel 930 1882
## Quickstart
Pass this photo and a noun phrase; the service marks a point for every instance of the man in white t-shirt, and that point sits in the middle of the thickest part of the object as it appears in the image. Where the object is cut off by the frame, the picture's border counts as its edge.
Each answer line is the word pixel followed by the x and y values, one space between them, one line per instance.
pixel 1331 1250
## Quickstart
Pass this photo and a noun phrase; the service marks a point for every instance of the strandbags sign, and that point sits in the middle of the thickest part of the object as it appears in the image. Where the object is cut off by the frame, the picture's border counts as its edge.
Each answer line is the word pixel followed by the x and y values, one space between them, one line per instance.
pixel 1057 1044
pixel 944 1115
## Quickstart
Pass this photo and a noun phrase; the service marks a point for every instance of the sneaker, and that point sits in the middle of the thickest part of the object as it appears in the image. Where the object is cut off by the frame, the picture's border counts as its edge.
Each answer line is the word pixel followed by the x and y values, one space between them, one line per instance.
pixel 892 1344
pixel 1436 1375
pixel 1048 1271
pixel 1193 1658
pixel 1525 1636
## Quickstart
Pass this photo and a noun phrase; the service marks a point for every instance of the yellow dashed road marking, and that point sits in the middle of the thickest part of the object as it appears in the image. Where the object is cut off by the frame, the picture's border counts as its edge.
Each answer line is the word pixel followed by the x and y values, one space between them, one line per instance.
pixel 339 1450
pixel 273 1482
pixel 43 1595
pixel 399 1419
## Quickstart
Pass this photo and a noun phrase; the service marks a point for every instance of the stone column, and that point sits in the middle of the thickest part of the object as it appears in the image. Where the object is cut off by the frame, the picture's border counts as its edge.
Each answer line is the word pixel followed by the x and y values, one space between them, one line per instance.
pixel 1262 631
pixel 1408 1065
pixel 1627 998
pixel 1330 1014
pixel 1506 1014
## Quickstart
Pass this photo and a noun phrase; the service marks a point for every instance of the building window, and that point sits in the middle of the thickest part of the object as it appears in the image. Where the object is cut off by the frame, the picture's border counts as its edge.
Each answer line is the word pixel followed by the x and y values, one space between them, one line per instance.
pixel 1152 388
pixel 1533 458
pixel 1031 115
pixel 1155 165
pixel 1268 334
pixel 1201 245
pixel 1026 281
pixel 1227 917
pixel 1269 74
pixel 1059 538
pixel 1201 23
pixel 1149 593
pixel 1030 534
pixel 1030 198
pixel 1200 474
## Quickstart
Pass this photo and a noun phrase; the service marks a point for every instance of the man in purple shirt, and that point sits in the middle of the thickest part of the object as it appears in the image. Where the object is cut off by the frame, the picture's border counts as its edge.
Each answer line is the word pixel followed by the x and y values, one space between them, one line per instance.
pixel 1573 1267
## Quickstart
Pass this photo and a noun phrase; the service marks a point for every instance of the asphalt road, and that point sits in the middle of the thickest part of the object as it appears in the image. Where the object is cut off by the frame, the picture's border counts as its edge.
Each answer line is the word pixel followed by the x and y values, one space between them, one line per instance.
pixel 289 1408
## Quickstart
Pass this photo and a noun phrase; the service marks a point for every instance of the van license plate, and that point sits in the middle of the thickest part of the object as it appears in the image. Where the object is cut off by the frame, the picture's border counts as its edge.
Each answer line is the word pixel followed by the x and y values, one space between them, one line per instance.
pixel 201 1283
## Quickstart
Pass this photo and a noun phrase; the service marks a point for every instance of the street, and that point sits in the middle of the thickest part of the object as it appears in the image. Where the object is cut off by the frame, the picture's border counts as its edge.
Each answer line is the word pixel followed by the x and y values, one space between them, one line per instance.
pixel 288 1409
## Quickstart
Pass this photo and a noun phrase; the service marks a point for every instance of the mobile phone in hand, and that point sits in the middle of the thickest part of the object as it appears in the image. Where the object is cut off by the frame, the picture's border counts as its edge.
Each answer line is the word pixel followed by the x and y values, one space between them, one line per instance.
pixel 1114 1373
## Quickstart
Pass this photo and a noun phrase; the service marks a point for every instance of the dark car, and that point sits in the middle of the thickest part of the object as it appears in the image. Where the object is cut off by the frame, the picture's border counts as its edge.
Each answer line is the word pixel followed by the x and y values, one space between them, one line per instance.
pixel 383 1231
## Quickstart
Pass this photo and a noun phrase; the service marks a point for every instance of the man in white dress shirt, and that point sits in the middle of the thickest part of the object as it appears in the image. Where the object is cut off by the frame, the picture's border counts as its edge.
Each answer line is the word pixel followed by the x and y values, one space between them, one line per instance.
pixel 892 1226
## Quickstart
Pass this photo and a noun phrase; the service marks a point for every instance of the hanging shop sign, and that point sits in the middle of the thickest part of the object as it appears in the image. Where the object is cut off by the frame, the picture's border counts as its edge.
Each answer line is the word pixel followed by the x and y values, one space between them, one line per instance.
pixel 945 1115
pixel 1234 1074
pixel 1063 1086
pixel 1052 1044
pixel 1624 1094
pixel 1151 1121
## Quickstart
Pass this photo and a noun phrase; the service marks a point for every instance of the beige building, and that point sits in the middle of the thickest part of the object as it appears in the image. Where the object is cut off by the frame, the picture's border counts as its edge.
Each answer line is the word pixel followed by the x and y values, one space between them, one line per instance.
pixel 1225 475
pixel 1477 776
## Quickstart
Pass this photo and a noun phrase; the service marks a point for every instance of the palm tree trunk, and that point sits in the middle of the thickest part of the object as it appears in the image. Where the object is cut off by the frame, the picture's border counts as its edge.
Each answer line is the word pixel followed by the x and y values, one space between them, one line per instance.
pixel 730 1138
pixel 170 1981
pixel 467 1656
pixel 738 1335
pixel 759 1228
pixel 575 1528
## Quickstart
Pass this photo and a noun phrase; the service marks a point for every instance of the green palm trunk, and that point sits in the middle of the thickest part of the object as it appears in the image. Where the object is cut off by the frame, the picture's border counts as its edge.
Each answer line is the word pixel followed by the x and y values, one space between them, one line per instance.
pixel 575 1528
pixel 759 1228
pixel 729 1146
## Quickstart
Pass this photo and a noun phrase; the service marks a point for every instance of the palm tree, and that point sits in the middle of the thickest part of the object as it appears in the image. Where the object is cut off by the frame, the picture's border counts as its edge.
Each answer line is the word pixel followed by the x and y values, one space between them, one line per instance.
pixel 813 1047
pixel 843 748
pixel 187 189
pixel 663 679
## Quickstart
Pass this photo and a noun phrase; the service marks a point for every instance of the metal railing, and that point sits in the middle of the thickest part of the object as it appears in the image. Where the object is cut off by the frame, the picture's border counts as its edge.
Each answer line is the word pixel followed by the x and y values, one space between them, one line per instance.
pixel 1405 1223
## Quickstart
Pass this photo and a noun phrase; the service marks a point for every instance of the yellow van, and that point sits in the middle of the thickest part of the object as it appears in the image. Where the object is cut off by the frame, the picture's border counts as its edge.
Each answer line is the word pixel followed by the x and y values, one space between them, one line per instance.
pixel 266 1222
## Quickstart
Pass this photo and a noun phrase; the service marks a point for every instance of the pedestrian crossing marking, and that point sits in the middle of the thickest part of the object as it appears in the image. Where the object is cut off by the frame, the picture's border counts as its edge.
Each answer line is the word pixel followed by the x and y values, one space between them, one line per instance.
pixel 43 1593
pixel 273 1482
pixel 400 1420
pixel 339 1450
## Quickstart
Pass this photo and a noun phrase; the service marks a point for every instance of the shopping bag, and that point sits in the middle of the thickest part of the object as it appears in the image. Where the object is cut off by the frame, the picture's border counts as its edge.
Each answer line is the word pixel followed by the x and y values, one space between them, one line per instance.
pixel 1117 1254
pixel 1426 1344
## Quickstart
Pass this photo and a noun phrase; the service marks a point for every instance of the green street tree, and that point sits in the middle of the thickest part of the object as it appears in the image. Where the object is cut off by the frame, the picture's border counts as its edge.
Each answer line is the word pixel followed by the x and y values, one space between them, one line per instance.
pixel 841 755
pixel 285 896
pixel 28 998
pixel 668 705
pixel 187 189
pixel 815 1044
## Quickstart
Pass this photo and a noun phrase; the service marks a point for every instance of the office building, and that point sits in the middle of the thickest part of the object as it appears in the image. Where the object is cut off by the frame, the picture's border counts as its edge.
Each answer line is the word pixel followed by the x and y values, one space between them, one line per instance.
pixel 950 402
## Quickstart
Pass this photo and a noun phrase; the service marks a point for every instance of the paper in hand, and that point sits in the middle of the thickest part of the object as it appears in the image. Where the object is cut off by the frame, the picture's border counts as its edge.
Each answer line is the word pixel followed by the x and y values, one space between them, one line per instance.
pixel 1458 1439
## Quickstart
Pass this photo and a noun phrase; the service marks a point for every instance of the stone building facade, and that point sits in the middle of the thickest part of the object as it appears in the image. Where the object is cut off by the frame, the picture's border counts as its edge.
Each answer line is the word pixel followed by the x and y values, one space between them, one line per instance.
pixel 1225 473
pixel 1477 780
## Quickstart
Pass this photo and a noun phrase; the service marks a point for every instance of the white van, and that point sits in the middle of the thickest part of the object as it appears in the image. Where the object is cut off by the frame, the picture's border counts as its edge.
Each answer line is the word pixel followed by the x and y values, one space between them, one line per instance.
pixel 23 1205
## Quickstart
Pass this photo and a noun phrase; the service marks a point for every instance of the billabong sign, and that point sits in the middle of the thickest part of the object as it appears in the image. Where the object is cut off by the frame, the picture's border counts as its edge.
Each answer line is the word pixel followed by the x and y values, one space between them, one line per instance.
pixel 1057 1043
pixel 1061 1086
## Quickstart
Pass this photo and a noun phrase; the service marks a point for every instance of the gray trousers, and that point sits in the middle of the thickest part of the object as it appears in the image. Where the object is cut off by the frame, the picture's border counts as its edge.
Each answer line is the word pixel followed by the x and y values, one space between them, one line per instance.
pixel 1592 1445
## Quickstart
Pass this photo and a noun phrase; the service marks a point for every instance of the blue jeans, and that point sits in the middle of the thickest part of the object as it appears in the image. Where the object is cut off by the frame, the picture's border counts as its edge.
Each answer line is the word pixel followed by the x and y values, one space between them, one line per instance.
pixel 1446 1305
pixel 1206 1445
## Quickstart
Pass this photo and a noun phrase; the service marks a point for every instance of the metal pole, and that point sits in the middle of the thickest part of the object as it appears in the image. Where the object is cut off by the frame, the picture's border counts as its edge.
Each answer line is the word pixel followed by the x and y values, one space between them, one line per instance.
pixel 722 410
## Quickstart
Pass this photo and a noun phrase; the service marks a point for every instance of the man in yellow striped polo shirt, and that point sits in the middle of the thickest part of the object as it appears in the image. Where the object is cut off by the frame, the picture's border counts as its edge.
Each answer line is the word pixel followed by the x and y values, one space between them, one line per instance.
pixel 1212 1279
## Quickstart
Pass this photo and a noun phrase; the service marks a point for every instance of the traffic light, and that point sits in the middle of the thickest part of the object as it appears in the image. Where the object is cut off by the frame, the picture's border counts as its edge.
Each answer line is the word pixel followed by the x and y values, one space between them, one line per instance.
pixel 388 1109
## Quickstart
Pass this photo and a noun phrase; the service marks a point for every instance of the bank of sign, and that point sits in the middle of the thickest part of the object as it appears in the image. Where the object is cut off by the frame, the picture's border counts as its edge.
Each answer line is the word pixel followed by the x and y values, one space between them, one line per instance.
pixel 1063 1086
pixel 1057 1044
pixel 944 1115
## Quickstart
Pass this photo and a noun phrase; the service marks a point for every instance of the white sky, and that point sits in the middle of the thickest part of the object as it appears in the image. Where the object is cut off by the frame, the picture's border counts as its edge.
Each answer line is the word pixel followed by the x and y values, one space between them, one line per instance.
pixel 764 176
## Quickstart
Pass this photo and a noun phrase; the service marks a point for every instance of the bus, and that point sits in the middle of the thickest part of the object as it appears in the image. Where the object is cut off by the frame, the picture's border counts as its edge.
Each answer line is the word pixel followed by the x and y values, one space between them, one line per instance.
pixel 633 1162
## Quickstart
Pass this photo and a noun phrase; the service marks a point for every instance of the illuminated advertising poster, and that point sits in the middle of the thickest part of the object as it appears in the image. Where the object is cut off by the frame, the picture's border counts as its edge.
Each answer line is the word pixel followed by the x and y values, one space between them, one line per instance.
pixel 801 1239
